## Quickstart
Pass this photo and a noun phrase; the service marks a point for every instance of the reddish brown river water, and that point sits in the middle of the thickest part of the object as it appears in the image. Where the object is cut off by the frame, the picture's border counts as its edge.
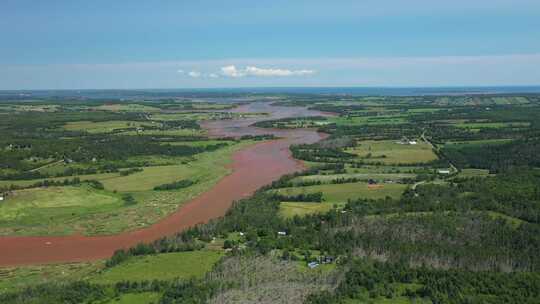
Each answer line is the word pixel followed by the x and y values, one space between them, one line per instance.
pixel 252 167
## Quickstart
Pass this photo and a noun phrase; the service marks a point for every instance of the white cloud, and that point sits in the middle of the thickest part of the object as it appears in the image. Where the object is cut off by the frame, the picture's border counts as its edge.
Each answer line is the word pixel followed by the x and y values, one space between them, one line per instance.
pixel 180 71
pixel 213 75
pixel 493 70
pixel 232 71
pixel 194 74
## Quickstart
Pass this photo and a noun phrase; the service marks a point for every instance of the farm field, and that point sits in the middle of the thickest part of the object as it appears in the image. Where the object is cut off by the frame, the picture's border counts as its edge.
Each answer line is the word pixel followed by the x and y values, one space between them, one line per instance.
pixel 340 193
pixel 495 125
pixel 171 132
pixel 369 219
pixel 136 298
pixel 369 120
pixel 391 152
pixel 104 126
pixel 290 209
pixel 361 176
pixel 166 266
pixel 15 278
pixel 29 212
pixel 48 207
pixel 129 107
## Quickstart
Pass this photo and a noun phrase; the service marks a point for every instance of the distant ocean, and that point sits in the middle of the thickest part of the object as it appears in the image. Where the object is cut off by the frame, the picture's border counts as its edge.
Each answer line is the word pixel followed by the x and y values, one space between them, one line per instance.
pixel 237 92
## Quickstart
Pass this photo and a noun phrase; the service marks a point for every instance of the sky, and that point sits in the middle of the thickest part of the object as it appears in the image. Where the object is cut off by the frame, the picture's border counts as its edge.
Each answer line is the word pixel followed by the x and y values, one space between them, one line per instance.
pixel 121 44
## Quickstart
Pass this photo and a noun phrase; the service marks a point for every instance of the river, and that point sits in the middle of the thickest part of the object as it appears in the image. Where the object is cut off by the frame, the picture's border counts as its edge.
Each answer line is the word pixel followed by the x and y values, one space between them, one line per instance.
pixel 252 167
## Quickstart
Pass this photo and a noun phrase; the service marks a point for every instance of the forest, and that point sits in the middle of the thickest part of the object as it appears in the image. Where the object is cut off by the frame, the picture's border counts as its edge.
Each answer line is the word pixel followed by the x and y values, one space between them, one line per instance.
pixel 428 199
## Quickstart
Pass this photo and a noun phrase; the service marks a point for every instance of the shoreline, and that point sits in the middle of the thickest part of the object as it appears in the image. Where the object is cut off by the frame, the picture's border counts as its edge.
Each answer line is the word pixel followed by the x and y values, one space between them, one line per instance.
pixel 252 168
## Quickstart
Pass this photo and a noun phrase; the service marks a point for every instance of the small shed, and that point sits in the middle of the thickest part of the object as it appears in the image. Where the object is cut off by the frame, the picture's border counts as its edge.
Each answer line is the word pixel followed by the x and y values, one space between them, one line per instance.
pixel 312 264
pixel 444 171
pixel 283 233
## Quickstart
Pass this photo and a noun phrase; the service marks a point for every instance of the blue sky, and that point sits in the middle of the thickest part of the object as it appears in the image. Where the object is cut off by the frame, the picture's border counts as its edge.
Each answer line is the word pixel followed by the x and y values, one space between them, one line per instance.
pixel 75 44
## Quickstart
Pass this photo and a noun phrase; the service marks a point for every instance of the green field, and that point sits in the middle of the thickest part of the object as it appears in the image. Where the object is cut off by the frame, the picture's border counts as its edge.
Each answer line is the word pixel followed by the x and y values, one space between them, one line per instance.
pixel 369 120
pixel 391 152
pixel 478 142
pixel 136 298
pixel 126 107
pixel 336 193
pixel 104 126
pixel 492 125
pixel 47 208
pixel 88 211
pixel 171 132
pixel 166 266
pixel 14 278
pixel 466 173
pixel 363 176
pixel 290 209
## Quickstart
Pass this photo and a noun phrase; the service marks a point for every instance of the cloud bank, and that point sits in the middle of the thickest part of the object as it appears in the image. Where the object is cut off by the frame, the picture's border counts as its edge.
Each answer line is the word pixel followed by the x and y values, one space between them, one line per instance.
pixel 510 69
pixel 233 71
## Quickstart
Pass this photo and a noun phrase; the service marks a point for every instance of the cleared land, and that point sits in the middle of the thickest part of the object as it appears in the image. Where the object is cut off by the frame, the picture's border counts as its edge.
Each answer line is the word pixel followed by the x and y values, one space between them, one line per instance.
pixel 335 193
pixel 104 126
pixel 183 265
pixel 290 209
pixel 136 298
pixel 391 152
pixel 66 210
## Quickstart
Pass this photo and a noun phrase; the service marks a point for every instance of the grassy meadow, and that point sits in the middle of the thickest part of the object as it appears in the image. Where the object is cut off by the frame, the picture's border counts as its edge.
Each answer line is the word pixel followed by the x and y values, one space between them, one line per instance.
pixel 339 193
pixel 391 152
pixel 166 266
pixel 66 210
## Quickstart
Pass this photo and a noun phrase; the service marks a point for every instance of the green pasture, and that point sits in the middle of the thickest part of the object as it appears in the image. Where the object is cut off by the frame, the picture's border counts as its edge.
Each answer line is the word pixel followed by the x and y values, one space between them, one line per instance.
pixel 466 173
pixel 52 210
pixel 136 298
pixel 478 142
pixel 15 278
pixel 127 107
pixel 169 132
pixel 391 152
pixel 104 126
pixel 89 211
pixel 369 120
pixel 492 125
pixel 290 209
pixel 363 176
pixel 336 193
pixel 165 266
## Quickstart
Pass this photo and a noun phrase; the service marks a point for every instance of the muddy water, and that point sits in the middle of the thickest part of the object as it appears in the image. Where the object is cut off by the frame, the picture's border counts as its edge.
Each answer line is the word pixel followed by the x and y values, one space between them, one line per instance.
pixel 252 167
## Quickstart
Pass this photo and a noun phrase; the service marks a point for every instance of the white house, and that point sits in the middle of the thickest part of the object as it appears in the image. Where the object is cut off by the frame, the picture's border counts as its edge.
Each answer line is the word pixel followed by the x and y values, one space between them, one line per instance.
pixel 282 233
pixel 412 142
